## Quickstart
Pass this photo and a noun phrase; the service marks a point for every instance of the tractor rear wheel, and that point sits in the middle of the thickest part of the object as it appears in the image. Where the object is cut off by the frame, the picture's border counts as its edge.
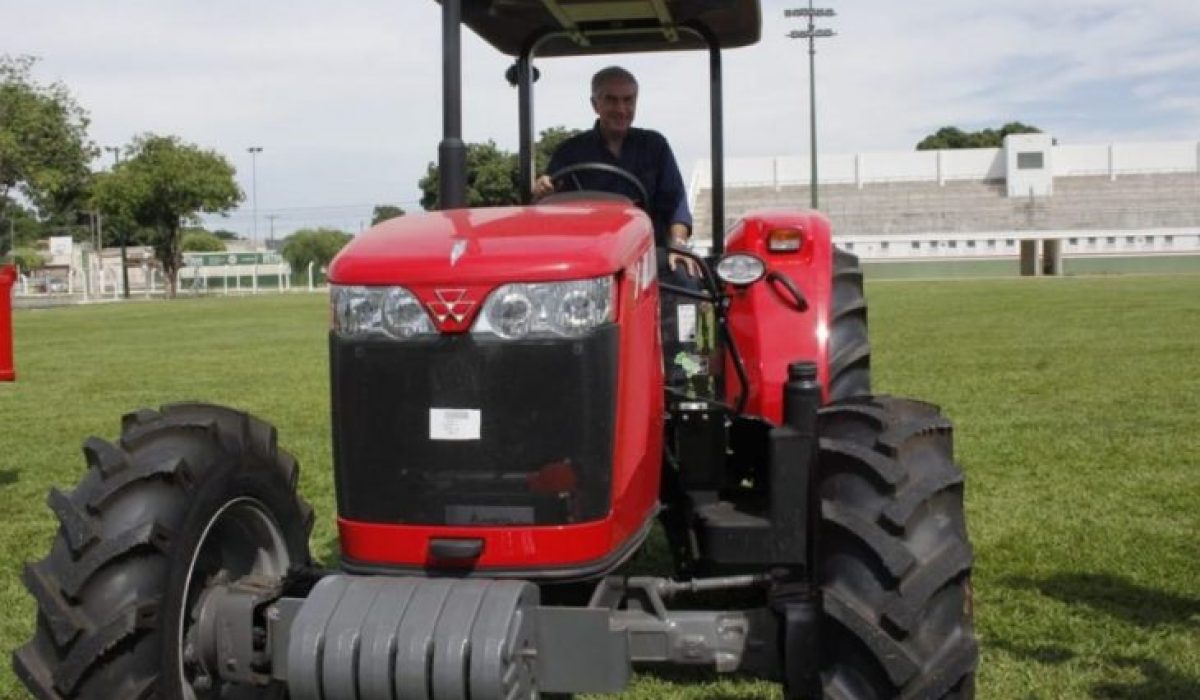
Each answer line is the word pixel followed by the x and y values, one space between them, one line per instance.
pixel 893 561
pixel 188 496
pixel 849 350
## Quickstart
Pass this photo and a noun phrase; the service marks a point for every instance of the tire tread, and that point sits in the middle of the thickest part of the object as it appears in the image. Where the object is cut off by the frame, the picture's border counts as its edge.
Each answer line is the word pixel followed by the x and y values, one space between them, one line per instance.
pixel 66 623
pixel 886 476
pixel 176 469
pixel 915 592
pixel 892 554
pixel 119 525
pixel 897 661
pixel 849 350
pixel 77 527
pixel 898 513
pixel 91 649
pixel 147 535
pixel 103 455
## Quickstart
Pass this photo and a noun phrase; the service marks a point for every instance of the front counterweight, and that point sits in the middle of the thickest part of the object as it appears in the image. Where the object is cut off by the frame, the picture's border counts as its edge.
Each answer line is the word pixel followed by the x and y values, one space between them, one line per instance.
pixel 376 637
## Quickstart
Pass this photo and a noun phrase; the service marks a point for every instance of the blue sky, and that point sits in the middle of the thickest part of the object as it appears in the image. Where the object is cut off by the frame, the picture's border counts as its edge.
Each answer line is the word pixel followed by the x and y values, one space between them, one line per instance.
pixel 344 99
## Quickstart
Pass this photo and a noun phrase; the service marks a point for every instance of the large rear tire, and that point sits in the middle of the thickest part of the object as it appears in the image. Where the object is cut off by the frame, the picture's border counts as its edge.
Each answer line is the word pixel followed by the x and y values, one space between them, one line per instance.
pixel 849 349
pixel 189 495
pixel 893 560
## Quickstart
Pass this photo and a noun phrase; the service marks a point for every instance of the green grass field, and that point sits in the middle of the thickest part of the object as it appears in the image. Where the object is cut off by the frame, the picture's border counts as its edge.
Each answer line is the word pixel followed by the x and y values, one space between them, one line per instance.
pixel 1011 267
pixel 1077 403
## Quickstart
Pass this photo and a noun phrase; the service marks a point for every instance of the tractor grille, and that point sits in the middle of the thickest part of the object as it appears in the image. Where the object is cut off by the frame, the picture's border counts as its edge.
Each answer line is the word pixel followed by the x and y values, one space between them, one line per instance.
pixel 461 431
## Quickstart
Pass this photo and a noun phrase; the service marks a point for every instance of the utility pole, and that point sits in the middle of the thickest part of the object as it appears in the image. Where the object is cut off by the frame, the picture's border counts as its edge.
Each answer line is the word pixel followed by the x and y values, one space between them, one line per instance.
pixel 254 151
pixel 116 154
pixel 812 34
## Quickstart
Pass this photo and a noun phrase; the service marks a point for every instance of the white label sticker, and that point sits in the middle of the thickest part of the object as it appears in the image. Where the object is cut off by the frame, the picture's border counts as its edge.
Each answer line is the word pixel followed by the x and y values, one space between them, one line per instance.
pixel 687 323
pixel 454 423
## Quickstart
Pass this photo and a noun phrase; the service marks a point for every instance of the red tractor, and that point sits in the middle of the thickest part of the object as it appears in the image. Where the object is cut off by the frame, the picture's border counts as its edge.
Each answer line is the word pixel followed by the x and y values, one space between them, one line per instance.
pixel 505 439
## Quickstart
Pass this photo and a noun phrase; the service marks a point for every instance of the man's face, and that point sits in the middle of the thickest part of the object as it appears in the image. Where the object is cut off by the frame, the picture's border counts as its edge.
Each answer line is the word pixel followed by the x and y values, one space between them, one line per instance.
pixel 615 106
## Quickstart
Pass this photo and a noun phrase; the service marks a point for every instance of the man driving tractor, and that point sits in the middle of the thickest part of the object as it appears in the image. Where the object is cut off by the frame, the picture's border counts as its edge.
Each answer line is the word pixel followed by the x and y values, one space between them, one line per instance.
pixel 642 152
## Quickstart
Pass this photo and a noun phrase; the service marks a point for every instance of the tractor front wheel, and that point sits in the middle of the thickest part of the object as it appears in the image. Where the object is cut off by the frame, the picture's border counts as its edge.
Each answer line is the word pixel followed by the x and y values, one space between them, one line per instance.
pixel 189 496
pixel 893 560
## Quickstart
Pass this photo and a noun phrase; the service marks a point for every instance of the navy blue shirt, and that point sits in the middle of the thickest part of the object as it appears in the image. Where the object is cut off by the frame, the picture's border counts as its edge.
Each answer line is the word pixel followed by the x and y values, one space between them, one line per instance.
pixel 644 153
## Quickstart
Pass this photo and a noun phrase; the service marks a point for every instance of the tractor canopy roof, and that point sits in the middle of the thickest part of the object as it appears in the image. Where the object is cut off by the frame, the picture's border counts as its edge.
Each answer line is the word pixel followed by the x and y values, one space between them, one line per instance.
pixel 585 27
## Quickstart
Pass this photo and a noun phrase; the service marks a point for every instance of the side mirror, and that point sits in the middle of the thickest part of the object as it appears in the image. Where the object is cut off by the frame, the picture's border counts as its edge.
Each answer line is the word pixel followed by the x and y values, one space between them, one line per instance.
pixel 511 75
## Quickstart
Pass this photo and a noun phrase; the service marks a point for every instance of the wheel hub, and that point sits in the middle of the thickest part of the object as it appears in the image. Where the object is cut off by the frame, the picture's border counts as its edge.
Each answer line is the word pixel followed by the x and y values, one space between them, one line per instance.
pixel 241 546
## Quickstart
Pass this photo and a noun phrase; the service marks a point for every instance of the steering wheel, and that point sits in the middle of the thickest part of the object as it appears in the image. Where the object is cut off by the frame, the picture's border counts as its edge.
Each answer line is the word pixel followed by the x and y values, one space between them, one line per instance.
pixel 562 174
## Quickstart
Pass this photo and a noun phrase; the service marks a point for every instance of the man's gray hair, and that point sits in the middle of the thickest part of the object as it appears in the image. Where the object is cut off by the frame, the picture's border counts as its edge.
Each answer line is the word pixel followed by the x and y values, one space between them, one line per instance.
pixel 606 75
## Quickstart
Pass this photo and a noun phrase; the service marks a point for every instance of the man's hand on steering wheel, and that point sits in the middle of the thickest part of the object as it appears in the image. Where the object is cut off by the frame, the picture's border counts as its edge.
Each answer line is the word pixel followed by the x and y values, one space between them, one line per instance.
pixel 679 238
pixel 542 187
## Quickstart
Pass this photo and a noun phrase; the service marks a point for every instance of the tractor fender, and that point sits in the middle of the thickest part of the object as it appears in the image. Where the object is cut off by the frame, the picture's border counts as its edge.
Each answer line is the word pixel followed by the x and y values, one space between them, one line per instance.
pixel 785 318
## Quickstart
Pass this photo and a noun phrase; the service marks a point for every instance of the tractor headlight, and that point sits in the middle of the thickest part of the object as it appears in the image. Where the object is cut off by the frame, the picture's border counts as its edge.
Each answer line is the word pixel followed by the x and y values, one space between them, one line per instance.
pixel 741 269
pixel 378 312
pixel 569 309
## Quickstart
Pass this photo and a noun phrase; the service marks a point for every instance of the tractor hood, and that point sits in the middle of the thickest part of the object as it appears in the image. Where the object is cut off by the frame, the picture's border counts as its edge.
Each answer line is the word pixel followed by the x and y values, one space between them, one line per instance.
pixel 539 243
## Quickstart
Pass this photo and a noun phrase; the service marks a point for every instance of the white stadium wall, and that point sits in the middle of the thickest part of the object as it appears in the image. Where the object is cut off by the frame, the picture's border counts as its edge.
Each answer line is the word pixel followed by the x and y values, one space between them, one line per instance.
pixel 961 164
pixel 1095 199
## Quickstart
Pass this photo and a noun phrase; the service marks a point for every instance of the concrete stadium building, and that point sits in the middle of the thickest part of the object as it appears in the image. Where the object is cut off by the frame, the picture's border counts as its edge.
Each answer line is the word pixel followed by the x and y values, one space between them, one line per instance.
pixel 1031 202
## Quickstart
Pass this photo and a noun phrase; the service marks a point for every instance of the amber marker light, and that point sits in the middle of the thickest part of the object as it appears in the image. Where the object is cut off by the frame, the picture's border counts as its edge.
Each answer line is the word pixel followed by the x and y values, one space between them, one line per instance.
pixel 784 240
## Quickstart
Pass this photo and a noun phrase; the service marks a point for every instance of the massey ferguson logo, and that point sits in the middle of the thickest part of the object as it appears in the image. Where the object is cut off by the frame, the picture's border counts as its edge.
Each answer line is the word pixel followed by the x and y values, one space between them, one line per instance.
pixel 450 303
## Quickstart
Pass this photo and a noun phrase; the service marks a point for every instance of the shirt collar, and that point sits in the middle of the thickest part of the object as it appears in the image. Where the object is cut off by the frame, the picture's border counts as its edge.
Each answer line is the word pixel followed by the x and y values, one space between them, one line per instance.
pixel 599 135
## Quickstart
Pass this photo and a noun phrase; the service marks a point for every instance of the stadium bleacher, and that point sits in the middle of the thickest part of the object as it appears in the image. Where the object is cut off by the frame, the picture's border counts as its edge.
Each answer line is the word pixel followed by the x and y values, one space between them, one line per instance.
pixel 1154 198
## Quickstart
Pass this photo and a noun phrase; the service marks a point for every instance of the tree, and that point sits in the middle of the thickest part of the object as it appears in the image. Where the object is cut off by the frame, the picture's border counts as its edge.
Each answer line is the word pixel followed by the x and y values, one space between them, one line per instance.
pixel 19 227
pixel 950 137
pixel 44 148
pixel 492 173
pixel 161 183
pixel 316 246
pixel 548 142
pixel 225 235
pixel 28 259
pixel 383 212
pixel 491 178
pixel 200 241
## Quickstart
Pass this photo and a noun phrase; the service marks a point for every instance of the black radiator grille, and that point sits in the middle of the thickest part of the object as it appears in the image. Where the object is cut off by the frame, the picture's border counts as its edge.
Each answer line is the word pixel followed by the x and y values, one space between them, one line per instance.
pixel 542 453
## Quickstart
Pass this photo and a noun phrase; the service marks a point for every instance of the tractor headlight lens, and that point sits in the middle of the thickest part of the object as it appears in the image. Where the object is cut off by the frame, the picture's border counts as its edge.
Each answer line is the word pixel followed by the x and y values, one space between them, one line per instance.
pixel 569 309
pixel 378 312
pixel 741 269
pixel 510 313
pixel 403 315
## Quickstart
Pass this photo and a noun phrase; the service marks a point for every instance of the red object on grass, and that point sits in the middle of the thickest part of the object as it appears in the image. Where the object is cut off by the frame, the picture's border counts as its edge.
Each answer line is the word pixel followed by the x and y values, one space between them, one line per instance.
pixel 8 275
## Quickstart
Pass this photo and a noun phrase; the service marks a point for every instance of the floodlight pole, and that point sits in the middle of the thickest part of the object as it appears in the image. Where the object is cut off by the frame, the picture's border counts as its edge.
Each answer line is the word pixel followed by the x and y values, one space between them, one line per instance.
pixel 812 34
pixel 116 153
pixel 254 151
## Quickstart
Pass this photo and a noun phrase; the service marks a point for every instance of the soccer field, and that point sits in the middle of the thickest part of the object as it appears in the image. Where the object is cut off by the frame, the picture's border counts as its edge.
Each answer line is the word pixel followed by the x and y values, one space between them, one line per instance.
pixel 1011 267
pixel 1076 402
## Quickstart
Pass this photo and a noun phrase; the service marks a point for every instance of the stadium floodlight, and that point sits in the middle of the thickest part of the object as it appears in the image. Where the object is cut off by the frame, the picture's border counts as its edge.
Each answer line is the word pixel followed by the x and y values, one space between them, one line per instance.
pixel 812 34
pixel 810 12
pixel 816 33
